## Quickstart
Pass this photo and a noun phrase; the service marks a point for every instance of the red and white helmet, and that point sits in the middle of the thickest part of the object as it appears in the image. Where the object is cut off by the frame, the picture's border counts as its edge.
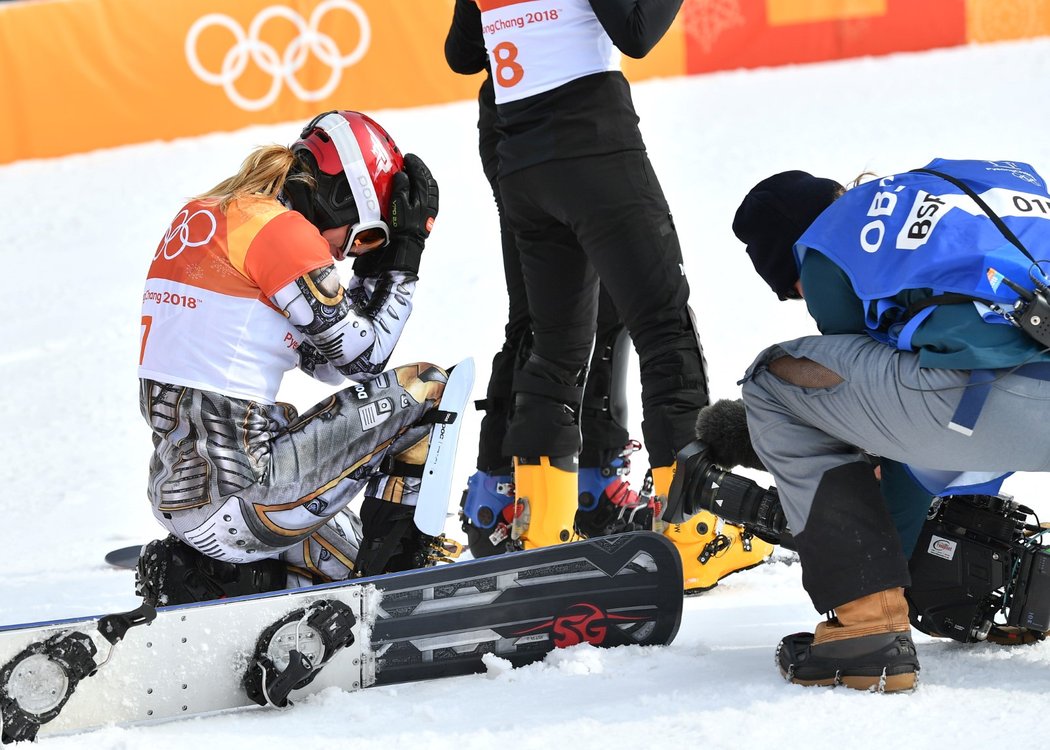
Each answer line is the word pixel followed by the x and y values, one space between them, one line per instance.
pixel 353 161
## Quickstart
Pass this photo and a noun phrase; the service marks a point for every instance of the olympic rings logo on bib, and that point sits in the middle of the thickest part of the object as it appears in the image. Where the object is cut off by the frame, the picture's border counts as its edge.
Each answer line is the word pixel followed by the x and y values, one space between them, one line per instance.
pixel 249 47
pixel 180 229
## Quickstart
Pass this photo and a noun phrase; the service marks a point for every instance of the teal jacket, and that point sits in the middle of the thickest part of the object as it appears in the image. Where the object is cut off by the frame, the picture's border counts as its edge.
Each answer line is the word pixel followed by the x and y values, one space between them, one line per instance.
pixel 953 338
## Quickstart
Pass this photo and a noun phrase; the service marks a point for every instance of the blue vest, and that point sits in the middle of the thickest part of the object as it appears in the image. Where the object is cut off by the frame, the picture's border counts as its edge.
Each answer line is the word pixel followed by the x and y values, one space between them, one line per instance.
pixel 919 231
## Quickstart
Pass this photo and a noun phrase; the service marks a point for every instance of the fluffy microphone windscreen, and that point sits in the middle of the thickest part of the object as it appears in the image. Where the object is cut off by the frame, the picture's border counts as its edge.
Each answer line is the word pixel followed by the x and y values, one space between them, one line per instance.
pixel 722 426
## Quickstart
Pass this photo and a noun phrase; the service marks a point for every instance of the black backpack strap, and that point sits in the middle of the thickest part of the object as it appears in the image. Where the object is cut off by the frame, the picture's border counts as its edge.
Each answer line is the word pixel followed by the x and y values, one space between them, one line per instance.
pixel 948 298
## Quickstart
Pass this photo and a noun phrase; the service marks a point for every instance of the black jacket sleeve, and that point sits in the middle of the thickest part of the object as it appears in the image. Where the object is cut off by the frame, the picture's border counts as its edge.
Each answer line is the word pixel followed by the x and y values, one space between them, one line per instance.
pixel 635 26
pixel 465 44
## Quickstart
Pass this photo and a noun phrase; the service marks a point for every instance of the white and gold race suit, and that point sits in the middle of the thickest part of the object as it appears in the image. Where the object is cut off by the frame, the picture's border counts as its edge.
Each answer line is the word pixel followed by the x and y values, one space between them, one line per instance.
pixel 233 300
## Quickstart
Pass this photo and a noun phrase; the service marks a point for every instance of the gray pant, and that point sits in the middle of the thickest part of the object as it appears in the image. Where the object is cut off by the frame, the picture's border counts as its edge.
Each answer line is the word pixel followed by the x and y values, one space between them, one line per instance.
pixel 889 406
pixel 242 481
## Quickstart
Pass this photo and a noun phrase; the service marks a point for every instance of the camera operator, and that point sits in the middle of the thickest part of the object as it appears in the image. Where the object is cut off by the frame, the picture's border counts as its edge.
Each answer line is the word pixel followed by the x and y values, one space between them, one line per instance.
pixel 979 565
pixel 937 387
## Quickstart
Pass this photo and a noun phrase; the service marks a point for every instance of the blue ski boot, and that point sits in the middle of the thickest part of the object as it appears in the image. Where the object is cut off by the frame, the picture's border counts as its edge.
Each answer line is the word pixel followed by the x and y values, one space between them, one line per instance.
pixel 486 511
pixel 608 505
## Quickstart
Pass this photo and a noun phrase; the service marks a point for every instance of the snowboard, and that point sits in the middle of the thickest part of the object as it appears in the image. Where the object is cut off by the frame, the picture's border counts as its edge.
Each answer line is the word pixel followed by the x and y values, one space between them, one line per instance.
pixel 124 557
pixel 270 649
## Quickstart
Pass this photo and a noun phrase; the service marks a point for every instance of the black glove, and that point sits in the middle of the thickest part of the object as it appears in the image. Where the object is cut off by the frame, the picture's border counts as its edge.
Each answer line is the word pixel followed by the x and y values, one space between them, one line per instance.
pixel 413 208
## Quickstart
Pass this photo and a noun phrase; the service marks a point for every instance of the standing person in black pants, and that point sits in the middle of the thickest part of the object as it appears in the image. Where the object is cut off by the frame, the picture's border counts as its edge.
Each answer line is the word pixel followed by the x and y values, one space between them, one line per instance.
pixel 584 204
pixel 606 502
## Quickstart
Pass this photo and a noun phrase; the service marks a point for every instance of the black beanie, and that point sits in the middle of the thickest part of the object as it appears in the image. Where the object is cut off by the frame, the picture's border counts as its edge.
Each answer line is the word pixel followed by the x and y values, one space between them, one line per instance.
pixel 774 215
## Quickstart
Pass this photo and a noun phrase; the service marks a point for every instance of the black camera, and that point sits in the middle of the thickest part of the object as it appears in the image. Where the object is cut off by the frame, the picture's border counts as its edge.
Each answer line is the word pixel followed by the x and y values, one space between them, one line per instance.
pixel 978 558
pixel 700 484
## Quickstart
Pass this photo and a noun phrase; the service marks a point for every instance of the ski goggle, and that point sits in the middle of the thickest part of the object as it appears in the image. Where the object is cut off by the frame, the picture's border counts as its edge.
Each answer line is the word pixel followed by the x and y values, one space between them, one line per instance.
pixel 364 237
pixel 371 232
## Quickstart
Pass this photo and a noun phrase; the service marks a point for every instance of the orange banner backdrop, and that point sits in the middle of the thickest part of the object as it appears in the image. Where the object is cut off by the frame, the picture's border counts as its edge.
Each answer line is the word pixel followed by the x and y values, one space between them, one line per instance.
pixel 85 74
pixel 995 20
pixel 723 34
pixel 77 75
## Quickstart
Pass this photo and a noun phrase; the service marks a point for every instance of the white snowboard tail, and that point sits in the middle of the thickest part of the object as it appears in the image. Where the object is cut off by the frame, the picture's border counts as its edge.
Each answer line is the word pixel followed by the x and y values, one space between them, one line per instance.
pixel 436 487
pixel 191 659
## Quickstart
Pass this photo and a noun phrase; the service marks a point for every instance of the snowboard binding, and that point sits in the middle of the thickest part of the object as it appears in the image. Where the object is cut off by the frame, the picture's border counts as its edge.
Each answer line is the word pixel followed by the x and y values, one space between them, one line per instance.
pixel 291 652
pixel 36 684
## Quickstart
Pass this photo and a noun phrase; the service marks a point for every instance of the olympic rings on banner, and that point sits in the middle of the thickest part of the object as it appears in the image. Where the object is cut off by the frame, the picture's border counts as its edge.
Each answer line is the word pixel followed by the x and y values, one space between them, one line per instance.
pixel 249 47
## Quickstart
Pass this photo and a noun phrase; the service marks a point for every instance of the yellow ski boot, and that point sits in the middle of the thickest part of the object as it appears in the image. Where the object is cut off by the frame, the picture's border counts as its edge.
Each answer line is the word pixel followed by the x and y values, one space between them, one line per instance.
pixel 710 548
pixel 545 502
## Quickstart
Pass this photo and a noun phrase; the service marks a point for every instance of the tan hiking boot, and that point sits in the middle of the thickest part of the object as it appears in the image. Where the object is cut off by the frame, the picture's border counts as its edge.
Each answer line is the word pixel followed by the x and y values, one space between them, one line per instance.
pixel 867 645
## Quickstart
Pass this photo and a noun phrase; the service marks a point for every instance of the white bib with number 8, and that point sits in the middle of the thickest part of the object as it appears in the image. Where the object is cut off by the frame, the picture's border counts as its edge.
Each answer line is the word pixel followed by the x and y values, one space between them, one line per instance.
pixel 538 45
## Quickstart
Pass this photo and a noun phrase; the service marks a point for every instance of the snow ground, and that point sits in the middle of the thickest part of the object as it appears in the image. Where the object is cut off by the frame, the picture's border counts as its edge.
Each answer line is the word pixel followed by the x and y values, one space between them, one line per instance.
pixel 76 238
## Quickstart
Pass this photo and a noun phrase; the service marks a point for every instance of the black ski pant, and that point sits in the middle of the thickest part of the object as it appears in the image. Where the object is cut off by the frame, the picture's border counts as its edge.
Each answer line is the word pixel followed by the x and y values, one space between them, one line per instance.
pixel 604 418
pixel 577 221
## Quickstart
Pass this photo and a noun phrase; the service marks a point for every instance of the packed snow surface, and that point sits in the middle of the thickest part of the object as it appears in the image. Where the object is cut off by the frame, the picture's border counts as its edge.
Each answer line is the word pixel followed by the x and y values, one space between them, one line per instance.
pixel 77 236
